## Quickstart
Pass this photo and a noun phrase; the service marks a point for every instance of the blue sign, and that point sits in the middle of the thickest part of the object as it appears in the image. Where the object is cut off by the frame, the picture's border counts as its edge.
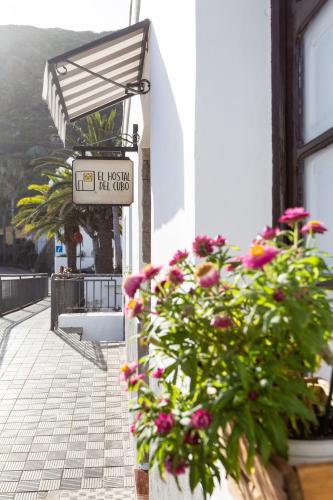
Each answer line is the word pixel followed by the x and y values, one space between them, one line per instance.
pixel 58 249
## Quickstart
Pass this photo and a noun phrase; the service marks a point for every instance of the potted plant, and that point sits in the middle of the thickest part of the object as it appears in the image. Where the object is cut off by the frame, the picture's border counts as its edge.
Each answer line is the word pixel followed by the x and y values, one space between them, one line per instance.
pixel 231 341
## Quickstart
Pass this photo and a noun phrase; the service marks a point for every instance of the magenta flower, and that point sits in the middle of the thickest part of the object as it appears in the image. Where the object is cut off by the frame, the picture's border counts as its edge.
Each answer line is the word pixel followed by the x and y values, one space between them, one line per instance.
pixel 132 284
pixel 133 308
pixel 164 423
pixel 219 241
pixel 192 437
pixel 202 246
pixel 134 380
pixel 176 276
pixel 207 274
pixel 132 428
pixel 176 469
pixel 127 370
pixel 258 256
pixel 313 226
pixel 179 256
pixel 293 215
pixel 233 263
pixel 221 322
pixel 279 296
pixel 270 233
pixel 201 419
pixel 150 271
pixel 158 373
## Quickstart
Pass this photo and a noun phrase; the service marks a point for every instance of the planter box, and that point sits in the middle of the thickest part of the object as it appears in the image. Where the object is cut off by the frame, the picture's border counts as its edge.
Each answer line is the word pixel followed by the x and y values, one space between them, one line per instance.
pixel 313 460
pixel 310 451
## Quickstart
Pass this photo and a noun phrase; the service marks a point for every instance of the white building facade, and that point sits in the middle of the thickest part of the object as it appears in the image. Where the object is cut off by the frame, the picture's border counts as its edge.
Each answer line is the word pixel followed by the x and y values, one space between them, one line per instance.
pixel 236 127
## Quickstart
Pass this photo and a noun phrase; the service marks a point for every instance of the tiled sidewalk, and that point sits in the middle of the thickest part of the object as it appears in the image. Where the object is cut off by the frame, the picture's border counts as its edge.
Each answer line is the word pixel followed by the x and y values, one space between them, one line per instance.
pixel 63 416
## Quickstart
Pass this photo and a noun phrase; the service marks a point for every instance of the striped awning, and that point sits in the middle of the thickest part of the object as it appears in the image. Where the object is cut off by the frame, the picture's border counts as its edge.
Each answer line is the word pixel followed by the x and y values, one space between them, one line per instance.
pixel 96 75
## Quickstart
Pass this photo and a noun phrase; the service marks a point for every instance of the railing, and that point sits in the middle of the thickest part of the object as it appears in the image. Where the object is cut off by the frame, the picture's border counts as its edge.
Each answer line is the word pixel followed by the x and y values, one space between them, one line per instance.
pixel 76 293
pixel 20 290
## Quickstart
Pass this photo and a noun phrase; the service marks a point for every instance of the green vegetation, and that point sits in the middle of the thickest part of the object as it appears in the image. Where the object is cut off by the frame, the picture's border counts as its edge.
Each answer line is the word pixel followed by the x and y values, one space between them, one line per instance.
pixel 234 338
pixel 51 210
pixel 26 128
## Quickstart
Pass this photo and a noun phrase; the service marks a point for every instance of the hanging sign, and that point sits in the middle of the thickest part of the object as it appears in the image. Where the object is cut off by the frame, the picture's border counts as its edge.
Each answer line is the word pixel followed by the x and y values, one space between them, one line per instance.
pixel 99 181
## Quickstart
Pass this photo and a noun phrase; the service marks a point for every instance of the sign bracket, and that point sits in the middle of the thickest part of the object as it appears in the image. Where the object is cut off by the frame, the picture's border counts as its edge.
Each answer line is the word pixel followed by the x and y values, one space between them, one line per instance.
pixel 84 149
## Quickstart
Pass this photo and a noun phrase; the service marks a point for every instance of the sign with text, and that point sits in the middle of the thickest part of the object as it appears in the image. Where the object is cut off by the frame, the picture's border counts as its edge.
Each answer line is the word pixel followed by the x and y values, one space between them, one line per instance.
pixel 102 181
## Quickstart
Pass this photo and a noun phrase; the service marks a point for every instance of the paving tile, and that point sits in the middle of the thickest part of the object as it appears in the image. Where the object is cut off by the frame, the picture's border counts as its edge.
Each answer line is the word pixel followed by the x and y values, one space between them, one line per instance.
pixel 71 484
pixel 10 475
pixel 8 486
pixel 27 486
pixel 50 484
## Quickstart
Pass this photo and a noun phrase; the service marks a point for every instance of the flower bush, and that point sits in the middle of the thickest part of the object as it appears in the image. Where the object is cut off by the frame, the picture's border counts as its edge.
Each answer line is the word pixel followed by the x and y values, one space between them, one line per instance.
pixel 231 338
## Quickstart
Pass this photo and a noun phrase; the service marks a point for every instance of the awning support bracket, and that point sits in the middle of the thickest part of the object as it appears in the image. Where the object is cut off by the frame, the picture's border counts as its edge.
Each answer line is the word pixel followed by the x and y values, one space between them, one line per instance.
pixel 112 149
pixel 136 88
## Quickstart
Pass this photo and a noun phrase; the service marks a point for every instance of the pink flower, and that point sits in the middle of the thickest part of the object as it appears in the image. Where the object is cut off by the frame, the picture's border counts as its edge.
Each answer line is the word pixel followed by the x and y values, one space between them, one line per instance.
pixel 127 370
pixel 202 246
pixel 313 226
pixel 219 241
pixel 158 373
pixel 132 284
pixel 258 256
pixel 279 296
pixel 133 308
pixel 176 469
pixel 201 419
pixel 137 416
pixel 176 276
pixel 164 423
pixel 207 274
pixel 179 256
pixel 221 322
pixel 150 271
pixel 293 215
pixel 134 380
pixel 233 263
pixel 270 233
pixel 191 437
pixel 132 428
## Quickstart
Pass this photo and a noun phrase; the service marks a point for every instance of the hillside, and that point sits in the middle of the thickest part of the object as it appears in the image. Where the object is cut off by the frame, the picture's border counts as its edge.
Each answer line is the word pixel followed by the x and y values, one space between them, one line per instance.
pixel 25 124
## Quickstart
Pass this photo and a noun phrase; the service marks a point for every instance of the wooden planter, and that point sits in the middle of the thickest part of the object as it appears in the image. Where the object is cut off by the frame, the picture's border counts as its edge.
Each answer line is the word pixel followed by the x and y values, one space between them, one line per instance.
pixel 282 481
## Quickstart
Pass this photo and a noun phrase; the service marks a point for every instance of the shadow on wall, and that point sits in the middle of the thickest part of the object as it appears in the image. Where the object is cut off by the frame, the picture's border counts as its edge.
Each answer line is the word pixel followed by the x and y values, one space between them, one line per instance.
pixel 167 149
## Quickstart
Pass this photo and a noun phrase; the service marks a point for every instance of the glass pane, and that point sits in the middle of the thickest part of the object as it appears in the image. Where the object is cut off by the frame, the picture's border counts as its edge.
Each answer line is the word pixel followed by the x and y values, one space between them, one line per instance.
pixel 318 73
pixel 318 189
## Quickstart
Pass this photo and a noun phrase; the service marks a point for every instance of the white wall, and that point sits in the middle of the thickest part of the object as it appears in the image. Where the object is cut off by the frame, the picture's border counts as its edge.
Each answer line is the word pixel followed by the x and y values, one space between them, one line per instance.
pixel 170 117
pixel 233 152
pixel 60 259
pixel 209 115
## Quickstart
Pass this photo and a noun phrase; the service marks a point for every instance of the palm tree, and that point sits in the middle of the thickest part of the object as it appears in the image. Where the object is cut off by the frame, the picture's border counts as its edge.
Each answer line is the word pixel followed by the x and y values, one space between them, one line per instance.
pixel 96 221
pixel 43 213
pixel 101 223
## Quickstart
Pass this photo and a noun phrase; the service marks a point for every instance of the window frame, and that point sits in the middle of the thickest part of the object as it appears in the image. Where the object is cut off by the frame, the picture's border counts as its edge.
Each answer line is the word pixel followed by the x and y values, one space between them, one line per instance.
pixel 290 19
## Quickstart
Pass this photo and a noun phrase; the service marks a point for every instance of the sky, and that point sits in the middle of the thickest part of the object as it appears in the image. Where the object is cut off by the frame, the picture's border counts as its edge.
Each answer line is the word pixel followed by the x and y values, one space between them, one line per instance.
pixel 78 15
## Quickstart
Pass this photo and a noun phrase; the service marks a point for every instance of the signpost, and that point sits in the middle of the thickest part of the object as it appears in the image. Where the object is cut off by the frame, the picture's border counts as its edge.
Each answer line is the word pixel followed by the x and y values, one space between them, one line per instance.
pixel 102 181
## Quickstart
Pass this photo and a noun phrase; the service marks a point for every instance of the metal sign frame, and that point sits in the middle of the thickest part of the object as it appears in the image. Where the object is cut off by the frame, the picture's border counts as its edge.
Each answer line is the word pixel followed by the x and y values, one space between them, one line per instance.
pixel 104 205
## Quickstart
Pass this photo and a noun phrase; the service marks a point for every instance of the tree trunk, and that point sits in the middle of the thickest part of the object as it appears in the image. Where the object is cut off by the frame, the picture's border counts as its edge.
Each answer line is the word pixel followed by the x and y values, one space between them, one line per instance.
pixel 69 231
pixel 102 244
pixel 117 240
